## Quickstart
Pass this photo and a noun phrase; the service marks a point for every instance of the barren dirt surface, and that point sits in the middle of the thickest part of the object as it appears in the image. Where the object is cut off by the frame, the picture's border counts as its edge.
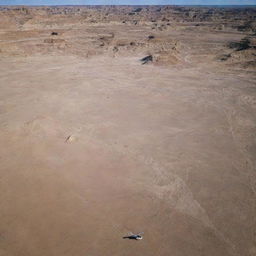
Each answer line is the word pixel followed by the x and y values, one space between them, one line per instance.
pixel 95 144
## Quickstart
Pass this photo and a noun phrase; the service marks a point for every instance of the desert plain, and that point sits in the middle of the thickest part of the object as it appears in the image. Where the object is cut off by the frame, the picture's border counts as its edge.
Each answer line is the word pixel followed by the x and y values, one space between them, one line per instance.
pixel 96 143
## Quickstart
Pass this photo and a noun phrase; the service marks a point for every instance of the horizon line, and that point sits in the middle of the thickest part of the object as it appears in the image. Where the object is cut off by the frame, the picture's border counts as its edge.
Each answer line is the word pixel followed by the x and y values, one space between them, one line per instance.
pixel 128 5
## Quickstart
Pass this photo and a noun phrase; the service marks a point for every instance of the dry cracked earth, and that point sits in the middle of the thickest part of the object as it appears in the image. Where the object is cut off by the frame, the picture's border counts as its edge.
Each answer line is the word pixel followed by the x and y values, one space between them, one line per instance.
pixel 96 143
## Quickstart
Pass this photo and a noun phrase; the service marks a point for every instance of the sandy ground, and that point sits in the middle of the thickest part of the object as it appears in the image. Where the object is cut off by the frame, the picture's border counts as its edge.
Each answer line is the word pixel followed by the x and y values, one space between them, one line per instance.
pixel 92 148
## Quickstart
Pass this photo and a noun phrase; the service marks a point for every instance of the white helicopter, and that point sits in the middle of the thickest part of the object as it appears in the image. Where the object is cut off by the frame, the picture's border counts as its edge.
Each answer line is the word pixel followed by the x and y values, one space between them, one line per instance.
pixel 138 236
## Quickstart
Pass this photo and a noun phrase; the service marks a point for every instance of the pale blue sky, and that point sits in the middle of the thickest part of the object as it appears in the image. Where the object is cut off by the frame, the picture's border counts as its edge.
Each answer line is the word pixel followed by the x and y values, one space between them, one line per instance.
pixel 127 2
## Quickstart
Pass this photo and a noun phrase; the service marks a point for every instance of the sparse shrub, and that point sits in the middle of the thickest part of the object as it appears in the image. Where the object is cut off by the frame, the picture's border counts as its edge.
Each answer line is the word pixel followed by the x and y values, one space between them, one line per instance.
pixel 239 46
pixel 138 10
pixel 224 57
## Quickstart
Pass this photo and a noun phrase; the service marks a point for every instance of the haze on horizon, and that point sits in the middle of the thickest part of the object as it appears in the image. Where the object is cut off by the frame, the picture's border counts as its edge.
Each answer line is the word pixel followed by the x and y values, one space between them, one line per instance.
pixel 127 2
